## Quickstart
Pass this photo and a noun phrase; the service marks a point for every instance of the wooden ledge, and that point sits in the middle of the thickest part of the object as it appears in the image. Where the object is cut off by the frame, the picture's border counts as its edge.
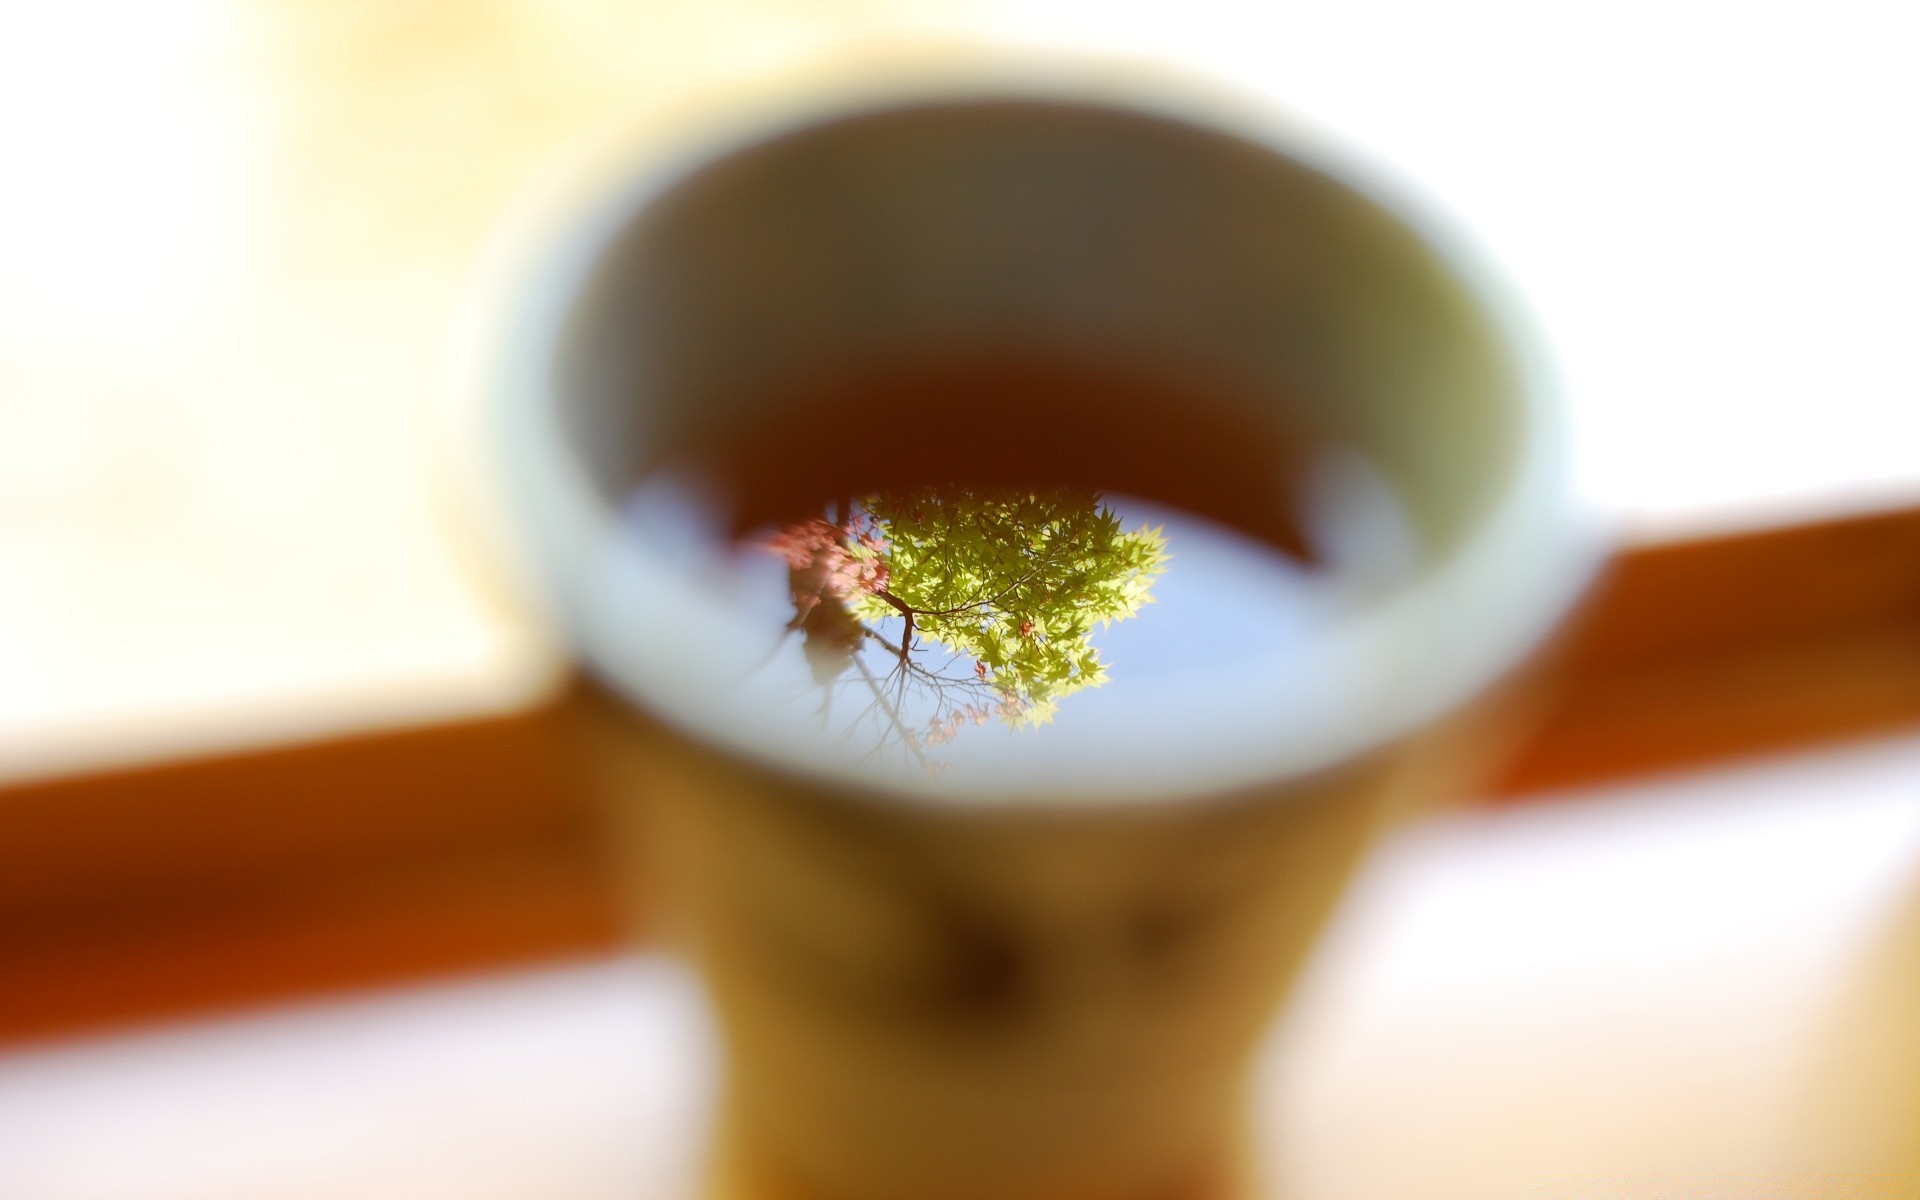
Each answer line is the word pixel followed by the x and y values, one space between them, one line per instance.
pixel 182 888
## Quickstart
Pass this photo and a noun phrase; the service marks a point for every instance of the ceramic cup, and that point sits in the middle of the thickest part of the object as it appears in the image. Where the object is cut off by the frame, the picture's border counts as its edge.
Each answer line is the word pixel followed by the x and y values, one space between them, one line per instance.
pixel 1047 989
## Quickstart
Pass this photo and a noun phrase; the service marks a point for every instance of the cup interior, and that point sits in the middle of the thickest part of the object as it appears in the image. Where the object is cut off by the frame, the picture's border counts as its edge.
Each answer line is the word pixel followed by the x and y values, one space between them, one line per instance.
pixel 1131 235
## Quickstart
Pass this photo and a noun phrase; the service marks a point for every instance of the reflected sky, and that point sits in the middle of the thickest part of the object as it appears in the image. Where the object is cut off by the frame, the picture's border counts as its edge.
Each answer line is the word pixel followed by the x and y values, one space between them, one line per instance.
pixel 1009 634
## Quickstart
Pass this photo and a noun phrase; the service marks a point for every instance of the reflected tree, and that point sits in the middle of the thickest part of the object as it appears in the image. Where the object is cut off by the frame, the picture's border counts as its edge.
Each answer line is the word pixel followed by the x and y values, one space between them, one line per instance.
pixel 984 602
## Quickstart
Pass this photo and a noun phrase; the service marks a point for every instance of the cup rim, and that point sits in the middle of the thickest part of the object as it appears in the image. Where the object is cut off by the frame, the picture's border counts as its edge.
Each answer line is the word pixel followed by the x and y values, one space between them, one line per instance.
pixel 1511 580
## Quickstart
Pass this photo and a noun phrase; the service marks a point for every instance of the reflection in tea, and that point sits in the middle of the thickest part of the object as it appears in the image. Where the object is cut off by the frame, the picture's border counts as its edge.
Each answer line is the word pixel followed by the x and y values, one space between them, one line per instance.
pixel 985 603
pixel 976 631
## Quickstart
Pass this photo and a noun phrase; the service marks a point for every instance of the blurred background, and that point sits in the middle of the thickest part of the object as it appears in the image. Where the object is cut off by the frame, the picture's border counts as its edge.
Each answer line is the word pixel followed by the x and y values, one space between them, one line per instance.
pixel 296 898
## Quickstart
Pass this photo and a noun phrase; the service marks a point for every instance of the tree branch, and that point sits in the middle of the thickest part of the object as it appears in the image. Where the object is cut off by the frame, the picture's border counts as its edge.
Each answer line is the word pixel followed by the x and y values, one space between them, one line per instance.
pixel 893 713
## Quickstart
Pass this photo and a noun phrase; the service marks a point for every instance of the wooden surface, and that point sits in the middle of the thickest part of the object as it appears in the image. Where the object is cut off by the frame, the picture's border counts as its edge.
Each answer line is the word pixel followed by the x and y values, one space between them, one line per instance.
pixel 1710 649
pixel 162 890
pixel 143 891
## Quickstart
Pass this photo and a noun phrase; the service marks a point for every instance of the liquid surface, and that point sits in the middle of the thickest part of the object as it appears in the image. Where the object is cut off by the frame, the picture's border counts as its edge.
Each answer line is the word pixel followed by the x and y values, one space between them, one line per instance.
pixel 996 571
pixel 1004 638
